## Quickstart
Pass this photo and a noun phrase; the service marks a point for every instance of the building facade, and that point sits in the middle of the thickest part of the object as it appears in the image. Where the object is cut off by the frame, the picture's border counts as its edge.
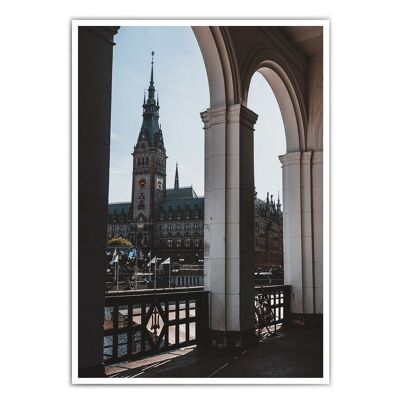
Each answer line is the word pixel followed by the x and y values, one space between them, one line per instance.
pixel 170 222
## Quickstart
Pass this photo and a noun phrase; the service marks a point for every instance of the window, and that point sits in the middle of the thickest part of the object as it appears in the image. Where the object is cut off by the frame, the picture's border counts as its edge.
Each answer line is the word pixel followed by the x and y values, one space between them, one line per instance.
pixel 178 242
pixel 169 242
pixel 187 242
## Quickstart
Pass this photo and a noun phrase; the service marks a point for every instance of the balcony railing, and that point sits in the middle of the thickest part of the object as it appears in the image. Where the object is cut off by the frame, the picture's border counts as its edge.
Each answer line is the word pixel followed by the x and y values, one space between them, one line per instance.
pixel 151 322
pixel 272 308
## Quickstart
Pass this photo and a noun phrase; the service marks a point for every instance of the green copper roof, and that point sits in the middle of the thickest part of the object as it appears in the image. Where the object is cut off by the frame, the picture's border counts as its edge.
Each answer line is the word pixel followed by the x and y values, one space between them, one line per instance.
pixel 181 193
pixel 176 199
pixel 118 208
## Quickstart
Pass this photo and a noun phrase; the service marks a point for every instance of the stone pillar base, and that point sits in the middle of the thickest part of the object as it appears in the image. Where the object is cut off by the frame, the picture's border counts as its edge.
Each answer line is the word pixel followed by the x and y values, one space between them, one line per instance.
pixel 93 371
pixel 233 339
pixel 306 319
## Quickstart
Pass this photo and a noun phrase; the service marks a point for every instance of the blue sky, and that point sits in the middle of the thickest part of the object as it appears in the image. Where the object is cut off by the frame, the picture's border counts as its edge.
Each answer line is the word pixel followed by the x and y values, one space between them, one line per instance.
pixel 181 81
pixel 269 137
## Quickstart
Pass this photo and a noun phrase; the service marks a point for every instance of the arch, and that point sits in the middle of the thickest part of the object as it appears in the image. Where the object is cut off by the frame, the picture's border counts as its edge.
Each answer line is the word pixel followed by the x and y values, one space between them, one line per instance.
pixel 286 93
pixel 319 129
pixel 220 63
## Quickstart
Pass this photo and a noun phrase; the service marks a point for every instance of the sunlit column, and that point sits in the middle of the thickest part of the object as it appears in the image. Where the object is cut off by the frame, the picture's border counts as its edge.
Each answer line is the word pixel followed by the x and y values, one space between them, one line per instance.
pixel 229 222
pixel 214 214
pixel 292 243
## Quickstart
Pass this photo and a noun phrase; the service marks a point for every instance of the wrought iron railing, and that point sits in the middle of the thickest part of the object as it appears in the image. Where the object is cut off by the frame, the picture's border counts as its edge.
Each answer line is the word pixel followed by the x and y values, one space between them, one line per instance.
pixel 272 308
pixel 151 322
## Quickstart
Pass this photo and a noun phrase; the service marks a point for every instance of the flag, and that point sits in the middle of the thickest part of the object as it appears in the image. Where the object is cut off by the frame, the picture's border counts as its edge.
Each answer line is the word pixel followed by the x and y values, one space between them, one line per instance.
pixel 167 261
pixel 114 257
pixel 148 257
pixel 153 261
pixel 132 254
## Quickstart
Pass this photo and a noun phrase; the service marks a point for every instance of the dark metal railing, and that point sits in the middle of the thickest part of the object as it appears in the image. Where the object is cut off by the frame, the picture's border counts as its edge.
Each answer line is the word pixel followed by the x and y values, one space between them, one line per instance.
pixel 150 322
pixel 272 308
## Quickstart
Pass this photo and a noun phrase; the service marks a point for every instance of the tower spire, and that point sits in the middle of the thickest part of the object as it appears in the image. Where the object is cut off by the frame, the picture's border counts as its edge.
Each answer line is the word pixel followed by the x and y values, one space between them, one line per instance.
pixel 151 89
pixel 152 62
pixel 176 186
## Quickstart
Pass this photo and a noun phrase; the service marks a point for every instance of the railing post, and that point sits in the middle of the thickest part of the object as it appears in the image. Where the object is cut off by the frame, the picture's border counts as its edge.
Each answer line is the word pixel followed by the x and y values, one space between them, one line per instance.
pixel 286 308
pixel 202 321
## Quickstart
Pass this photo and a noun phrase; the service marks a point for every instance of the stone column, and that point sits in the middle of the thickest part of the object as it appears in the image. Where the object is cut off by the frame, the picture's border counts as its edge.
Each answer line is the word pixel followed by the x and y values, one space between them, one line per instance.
pixel 228 223
pixel 95 50
pixel 302 231
pixel 292 243
pixel 317 196
pixel 307 234
pixel 214 120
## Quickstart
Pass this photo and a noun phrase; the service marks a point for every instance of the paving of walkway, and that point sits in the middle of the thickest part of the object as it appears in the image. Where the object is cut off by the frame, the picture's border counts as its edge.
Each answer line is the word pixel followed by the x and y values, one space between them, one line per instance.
pixel 295 353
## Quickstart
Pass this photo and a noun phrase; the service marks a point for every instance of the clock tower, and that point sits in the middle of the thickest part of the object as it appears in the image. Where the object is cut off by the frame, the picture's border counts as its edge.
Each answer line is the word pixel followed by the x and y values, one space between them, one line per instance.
pixel 149 171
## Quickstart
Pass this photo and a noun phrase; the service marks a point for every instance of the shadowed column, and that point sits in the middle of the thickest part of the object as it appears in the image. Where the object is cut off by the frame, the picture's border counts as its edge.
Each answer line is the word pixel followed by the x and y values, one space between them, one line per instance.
pixel 95 50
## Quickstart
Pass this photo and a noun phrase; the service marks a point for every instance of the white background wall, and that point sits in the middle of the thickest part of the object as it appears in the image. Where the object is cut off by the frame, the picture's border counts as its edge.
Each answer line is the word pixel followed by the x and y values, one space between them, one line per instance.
pixel 35 126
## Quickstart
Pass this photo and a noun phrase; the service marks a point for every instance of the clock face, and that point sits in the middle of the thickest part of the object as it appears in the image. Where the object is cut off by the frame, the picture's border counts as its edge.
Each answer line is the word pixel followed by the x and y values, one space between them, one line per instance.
pixel 159 184
pixel 142 183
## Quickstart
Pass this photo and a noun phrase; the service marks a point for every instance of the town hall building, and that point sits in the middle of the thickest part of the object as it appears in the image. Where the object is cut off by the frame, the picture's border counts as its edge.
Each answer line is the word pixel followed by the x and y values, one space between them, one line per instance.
pixel 169 222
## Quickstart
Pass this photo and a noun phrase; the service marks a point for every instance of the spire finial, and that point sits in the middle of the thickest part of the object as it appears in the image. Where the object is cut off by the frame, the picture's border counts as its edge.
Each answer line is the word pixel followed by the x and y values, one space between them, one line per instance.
pixel 279 202
pixel 176 186
pixel 152 62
